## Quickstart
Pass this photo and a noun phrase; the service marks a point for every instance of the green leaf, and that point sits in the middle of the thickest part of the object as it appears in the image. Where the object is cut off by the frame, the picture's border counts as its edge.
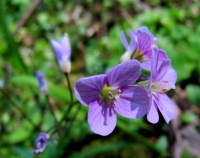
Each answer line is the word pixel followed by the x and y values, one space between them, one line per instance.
pixel 54 90
pixel 188 117
pixel 99 149
pixel 12 53
pixel 162 144
pixel 20 134
pixel 22 152
pixel 193 93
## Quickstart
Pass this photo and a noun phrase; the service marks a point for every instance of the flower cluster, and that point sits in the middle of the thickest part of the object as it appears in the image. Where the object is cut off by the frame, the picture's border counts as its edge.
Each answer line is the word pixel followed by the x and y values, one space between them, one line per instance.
pixel 118 91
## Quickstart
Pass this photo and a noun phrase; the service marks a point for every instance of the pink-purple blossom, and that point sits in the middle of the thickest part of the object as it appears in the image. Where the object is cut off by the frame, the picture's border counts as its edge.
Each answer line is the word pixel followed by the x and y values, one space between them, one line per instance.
pixel 163 78
pixel 112 93
pixel 62 50
pixel 141 44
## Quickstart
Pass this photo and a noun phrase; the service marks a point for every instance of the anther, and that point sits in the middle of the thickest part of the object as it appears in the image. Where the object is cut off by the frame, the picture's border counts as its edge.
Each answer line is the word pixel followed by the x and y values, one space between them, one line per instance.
pixel 165 89
pixel 165 81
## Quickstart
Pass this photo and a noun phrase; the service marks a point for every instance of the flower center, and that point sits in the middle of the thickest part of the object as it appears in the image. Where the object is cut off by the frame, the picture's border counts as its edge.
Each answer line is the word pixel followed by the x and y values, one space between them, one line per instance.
pixel 110 94
pixel 137 54
pixel 161 86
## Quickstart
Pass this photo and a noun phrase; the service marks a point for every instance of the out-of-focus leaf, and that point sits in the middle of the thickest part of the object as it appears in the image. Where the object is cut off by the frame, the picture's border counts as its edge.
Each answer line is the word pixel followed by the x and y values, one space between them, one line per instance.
pixel 186 154
pixel 189 117
pixel 22 152
pixel 100 149
pixel 162 144
pixel 19 135
pixel 12 54
pixel 193 93
pixel 54 90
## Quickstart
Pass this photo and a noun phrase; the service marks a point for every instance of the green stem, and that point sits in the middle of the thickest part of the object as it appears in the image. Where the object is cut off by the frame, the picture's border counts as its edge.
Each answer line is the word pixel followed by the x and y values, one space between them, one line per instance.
pixel 57 126
pixel 73 118
pixel 69 86
pixel 51 108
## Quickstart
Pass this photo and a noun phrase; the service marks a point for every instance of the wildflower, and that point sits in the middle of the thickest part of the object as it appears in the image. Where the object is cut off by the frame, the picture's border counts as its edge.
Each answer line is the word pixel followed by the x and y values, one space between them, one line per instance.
pixel 163 78
pixel 112 93
pixel 62 50
pixel 42 82
pixel 140 47
pixel 130 48
pixel 41 142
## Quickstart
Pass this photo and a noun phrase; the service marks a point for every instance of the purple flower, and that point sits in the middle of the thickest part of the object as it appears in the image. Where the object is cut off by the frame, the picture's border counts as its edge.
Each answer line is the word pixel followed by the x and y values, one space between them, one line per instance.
pixel 62 50
pixel 41 142
pixel 140 47
pixel 163 78
pixel 42 82
pixel 130 48
pixel 112 93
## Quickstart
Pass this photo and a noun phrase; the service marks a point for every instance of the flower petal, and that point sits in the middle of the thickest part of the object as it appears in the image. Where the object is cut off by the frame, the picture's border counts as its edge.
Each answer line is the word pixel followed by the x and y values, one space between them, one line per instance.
pixel 144 41
pixel 167 73
pixel 124 41
pixel 154 64
pixel 65 43
pixel 124 74
pixel 152 115
pixel 166 107
pixel 87 90
pixel 101 118
pixel 133 102
pixel 148 55
pixel 57 49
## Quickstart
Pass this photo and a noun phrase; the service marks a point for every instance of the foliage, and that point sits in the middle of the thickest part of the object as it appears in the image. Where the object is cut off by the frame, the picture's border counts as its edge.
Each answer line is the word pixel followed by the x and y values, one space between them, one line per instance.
pixel 94 29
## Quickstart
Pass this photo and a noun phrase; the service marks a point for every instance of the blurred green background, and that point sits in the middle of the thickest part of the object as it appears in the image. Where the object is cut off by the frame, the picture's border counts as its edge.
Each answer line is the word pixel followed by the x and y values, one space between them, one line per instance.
pixel 94 27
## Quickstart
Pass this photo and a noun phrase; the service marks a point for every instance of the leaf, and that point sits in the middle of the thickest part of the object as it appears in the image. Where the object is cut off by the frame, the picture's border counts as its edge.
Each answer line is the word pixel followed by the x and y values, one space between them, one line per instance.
pixel 54 90
pixel 193 93
pixel 162 144
pixel 22 152
pixel 100 149
pixel 12 53
pixel 188 117
pixel 20 134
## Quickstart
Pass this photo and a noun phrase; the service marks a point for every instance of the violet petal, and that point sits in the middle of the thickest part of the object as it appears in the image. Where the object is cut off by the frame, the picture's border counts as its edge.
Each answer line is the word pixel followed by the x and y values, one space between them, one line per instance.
pixel 148 55
pixel 101 118
pixel 133 102
pixel 57 49
pixel 144 41
pixel 166 107
pixel 87 90
pixel 166 72
pixel 65 43
pixel 152 115
pixel 124 41
pixel 124 74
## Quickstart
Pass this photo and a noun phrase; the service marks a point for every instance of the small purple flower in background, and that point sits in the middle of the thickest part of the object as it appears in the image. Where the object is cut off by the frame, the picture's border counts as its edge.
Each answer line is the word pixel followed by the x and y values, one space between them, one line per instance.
pixel 41 143
pixel 112 93
pixel 62 50
pixel 163 78
pixel 42 82
pixel 140 47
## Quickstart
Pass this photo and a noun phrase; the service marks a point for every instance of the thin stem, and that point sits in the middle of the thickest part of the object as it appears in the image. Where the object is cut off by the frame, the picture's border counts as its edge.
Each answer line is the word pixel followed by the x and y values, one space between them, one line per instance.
pixel 63 118
pixel 19 108
pixel 51 108
pixel 73 118
pixel 52 111
pixel 69 86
